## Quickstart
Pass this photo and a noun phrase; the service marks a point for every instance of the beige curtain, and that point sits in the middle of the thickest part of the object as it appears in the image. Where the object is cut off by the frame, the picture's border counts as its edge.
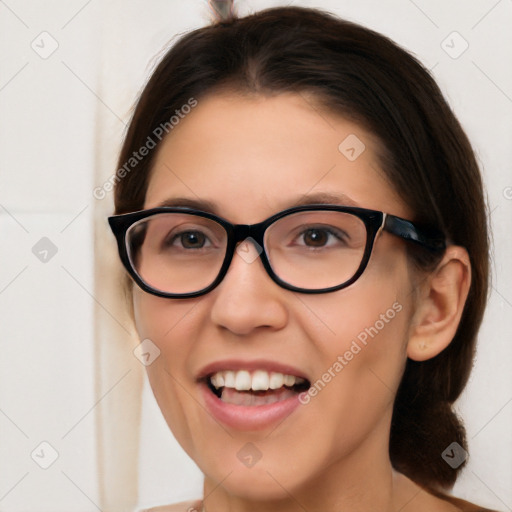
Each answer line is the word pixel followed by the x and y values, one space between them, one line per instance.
pixel 119 374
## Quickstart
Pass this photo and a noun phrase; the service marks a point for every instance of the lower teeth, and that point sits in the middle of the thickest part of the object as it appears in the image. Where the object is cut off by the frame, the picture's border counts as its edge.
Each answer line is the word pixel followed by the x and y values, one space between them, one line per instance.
pixel 249 398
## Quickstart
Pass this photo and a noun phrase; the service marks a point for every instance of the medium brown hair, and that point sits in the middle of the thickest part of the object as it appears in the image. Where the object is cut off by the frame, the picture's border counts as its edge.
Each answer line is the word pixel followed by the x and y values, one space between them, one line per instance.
pixel 364 76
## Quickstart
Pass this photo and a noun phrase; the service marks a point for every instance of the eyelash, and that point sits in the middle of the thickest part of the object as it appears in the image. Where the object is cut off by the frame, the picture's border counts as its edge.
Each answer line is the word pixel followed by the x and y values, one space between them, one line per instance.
pixel 330 232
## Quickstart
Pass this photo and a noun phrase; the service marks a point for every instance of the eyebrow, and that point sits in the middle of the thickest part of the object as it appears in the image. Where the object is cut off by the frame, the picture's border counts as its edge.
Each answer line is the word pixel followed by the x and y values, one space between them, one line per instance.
pixel 303 200
pixel 197 204
pixel 325 198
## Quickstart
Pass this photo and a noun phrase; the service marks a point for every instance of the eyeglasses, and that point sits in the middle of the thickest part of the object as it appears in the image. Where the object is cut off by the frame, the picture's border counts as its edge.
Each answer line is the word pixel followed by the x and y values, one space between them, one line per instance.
pixel 179 252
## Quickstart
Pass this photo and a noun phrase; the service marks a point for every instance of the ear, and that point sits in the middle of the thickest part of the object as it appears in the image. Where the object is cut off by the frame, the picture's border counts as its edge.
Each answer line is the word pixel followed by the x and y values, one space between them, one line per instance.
pixel 440 304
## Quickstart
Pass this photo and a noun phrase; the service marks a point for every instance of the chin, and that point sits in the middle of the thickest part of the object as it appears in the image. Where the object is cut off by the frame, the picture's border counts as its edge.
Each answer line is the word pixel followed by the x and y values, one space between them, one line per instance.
pixel 253 484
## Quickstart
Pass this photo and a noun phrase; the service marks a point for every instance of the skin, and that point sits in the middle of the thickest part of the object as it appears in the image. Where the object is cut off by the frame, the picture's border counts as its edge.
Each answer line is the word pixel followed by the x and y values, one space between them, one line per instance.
pixel 251 157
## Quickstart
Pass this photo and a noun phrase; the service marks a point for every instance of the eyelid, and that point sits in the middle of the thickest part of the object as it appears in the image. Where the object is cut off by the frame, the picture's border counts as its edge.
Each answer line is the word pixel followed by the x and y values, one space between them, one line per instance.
pixel 331 230
pixel 209 234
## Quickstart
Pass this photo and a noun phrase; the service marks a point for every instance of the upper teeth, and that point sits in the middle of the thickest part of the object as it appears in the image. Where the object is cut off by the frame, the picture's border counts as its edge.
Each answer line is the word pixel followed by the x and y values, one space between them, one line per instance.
pixel 259 380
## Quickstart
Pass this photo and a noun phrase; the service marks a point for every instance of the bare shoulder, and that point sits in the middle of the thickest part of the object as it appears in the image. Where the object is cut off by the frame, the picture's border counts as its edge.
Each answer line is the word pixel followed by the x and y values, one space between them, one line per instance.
pixel 446 504
pixel 426 502
pixel 459 504
pixel 184 506
pixel 414 498
pixel 466 506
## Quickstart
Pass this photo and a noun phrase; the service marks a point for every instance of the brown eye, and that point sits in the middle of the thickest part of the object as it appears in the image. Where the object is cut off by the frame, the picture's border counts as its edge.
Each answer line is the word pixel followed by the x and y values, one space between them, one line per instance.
pixel 315 237
pixel 192 239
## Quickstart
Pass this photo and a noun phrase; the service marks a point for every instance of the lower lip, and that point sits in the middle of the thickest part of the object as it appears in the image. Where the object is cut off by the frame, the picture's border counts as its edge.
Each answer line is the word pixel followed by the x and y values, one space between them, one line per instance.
pixel 243 417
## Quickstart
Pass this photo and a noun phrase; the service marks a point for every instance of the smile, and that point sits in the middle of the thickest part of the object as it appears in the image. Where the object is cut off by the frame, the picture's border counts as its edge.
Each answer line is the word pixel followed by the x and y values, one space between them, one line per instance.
pixel 251 399
pixel 255 388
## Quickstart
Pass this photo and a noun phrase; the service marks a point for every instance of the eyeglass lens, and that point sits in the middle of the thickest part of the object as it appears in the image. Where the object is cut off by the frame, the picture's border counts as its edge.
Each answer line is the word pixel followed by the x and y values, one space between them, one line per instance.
pixel 182 253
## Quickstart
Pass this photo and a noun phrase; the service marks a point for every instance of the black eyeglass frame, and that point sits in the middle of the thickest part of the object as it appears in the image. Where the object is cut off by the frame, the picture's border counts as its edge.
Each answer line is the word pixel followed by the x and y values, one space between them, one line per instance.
pixel 431 239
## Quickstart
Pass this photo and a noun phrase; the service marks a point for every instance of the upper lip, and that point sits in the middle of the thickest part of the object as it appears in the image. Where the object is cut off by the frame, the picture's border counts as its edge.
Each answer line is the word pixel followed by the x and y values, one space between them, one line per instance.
pixel 255 364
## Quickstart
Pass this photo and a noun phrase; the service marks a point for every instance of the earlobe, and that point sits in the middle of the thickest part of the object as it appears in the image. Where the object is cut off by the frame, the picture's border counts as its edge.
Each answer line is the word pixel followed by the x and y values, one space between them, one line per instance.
pixel 440 304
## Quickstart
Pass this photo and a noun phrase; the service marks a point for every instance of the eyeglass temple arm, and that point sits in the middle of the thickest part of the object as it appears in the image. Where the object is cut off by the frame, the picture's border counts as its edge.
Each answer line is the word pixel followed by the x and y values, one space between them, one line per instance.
pixel 432 239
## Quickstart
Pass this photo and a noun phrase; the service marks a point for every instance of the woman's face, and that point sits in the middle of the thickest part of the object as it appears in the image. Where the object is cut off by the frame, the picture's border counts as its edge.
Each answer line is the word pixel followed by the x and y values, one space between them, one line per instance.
pixel 250 157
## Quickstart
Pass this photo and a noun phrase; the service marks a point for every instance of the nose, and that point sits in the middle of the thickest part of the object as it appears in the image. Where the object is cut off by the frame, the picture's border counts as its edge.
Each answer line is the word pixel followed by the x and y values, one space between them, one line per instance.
pixel 247 299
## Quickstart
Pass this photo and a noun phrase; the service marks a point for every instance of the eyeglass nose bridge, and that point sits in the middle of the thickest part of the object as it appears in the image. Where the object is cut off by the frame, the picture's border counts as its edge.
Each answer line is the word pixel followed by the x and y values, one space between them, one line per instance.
pixel 254 232
pixel 241 232
pixel 251 234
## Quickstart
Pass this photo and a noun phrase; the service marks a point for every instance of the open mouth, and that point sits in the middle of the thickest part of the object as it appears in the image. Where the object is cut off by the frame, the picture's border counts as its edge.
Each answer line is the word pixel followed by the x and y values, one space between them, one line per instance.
pixel 254 388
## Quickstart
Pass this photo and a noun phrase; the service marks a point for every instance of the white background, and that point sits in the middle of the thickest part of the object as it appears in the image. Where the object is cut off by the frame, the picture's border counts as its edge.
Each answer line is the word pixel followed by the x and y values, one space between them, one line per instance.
pixel 67 372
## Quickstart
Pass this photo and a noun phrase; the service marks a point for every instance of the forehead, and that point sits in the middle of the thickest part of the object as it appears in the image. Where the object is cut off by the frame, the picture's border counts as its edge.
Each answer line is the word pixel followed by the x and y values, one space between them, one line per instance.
pixel 251 156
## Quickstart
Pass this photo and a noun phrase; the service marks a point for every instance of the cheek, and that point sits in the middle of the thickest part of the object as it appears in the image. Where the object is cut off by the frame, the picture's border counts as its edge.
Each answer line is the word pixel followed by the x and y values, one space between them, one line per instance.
pixel 377 307
pixel 153 316
pixel 361 333
pixel 166 323
pixel 172 325
pixel 362 337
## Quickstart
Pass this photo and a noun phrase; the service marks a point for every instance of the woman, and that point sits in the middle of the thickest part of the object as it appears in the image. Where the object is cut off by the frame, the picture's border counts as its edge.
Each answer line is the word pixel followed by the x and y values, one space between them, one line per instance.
pixel 305 225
